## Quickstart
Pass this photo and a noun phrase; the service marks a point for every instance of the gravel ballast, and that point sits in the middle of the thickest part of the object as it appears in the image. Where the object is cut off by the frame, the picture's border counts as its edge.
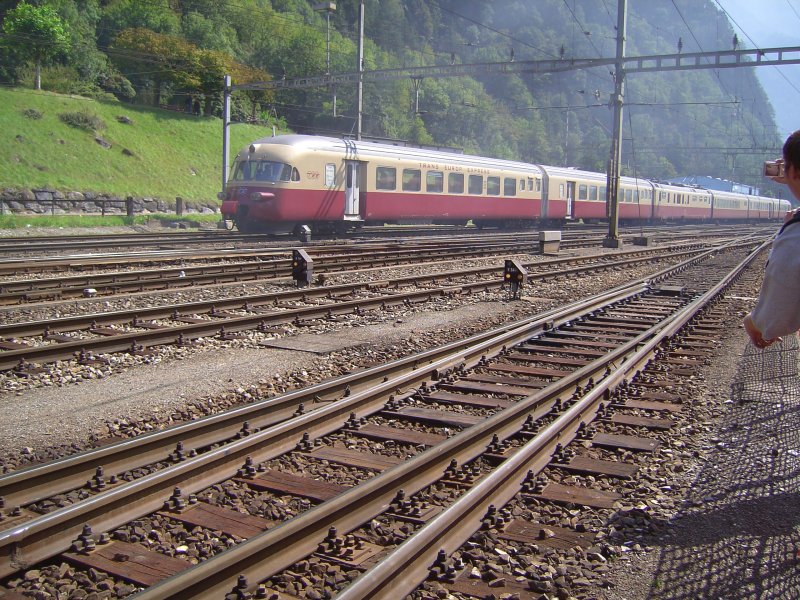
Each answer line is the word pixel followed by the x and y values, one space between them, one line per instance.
pixel 733 536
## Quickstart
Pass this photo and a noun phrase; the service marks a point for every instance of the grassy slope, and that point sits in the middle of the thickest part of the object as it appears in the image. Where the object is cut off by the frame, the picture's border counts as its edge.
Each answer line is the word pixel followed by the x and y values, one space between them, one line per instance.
pixel 173 154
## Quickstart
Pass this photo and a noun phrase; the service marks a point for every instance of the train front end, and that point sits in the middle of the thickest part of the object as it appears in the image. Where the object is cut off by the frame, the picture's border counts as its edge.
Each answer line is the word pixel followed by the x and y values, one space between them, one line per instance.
pixel 255 191
pixel 264 194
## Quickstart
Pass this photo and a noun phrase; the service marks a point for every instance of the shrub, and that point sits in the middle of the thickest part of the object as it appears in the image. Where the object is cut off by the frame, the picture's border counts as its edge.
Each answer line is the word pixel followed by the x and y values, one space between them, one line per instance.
pixel 83 120
pixel 32 113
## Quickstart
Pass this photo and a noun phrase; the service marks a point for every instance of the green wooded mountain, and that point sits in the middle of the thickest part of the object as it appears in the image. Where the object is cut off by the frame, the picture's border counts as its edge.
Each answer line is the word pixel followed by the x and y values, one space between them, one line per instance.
pixel 173 53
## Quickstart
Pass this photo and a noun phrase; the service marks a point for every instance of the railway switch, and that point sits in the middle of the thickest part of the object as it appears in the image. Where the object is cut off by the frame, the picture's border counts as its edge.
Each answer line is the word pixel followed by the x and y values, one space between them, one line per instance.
pixel 302 268
pixel 515 275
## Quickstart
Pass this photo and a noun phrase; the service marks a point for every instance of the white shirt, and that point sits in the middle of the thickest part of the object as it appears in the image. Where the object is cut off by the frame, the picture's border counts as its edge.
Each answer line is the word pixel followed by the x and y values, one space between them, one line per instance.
pixel 777 312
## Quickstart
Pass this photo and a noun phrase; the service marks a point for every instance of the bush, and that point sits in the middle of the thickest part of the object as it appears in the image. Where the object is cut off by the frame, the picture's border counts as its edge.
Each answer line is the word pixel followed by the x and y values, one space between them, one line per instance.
pixel 83 120
pixel 32 113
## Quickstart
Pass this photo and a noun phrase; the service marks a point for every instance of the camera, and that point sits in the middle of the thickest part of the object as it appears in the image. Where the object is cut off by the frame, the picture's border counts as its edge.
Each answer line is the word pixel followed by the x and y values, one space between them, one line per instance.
pixel 774 168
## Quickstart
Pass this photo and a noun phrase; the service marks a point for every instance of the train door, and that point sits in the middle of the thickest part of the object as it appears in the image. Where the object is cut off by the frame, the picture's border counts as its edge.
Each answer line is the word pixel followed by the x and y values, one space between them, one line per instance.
pixel 545 194
pixel 570 199
pixel 352 190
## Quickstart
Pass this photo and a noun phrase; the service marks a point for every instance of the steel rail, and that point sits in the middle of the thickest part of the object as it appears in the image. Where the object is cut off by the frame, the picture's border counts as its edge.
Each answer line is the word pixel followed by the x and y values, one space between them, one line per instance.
pixel 38 243
pixel 40 481
pixel 180 334
pixel 65 324
pixel 275 248
pixel 45 536
pixel 179 278
pixel 50 534
pixel 82 261
pixel 407 566
pixel 138 340
pixel 278 548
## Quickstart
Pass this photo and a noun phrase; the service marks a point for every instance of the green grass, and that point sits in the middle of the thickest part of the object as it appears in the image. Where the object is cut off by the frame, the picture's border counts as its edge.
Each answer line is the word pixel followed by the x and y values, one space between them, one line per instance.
pixel 71 221
pixel 171 154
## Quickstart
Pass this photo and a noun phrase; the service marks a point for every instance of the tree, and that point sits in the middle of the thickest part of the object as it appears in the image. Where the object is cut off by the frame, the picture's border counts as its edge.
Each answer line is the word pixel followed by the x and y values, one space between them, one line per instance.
pixel 119 15
pixel 172 63
pixel 38 33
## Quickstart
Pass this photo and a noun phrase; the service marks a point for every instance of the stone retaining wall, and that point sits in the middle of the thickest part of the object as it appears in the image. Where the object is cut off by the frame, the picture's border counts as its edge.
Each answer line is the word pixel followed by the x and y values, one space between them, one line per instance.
pixel 54 202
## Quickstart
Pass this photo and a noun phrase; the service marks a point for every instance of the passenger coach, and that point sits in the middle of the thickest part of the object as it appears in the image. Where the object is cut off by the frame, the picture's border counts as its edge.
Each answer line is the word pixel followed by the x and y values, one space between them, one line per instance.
pixel 280 184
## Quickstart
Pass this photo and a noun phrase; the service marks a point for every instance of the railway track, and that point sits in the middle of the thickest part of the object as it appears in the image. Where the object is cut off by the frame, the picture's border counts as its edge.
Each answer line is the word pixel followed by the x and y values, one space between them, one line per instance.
pixel 263 266
pixel 182 238
pixel 83 263
pixel 27 346
pixel 80 264
pixel 427 452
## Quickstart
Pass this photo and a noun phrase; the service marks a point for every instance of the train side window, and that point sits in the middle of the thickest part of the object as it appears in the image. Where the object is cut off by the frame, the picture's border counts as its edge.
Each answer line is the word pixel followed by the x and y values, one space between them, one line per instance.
pixel 386 178
pixel 629 196
pixel 493 186
pixel 295 174
pixel 509 186
pixel 455 183
pixel 603 192
pixel 636 196
pixel 592 192
pixel 412 180
pixel 583 192
pixel 521 185
pixel 330 174
pixel 434 182
pixel 476 184
pixel 530 184
pixel 538 185
pixel 286 173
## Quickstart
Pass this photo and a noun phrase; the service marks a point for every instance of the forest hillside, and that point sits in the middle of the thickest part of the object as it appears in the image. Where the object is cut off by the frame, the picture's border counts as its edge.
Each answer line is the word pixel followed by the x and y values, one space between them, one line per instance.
pixel 173 54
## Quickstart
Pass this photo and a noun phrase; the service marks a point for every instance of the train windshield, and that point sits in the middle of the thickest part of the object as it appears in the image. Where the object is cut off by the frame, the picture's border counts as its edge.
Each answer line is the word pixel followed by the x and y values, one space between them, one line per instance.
pixel 262 170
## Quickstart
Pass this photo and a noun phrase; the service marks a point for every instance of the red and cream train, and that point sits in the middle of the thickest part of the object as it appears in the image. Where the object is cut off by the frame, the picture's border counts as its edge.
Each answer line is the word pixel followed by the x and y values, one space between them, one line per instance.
pixel 279 184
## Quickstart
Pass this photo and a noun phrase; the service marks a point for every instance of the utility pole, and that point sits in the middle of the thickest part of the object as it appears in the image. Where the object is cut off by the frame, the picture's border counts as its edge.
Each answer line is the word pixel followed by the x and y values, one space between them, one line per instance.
pixel 612 178
pixel 328 8
pixel 416 82
pixel 226 129
pixel 360 92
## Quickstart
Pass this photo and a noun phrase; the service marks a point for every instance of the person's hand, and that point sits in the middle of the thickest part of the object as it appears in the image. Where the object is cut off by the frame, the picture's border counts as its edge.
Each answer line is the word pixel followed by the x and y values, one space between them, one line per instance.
pixel 790 214
pixel 755 335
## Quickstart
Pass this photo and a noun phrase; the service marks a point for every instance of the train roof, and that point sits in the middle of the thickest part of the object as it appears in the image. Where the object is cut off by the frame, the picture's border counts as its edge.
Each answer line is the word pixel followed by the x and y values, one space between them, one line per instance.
pixel 566 172
pixel 367 150
pixel 683 187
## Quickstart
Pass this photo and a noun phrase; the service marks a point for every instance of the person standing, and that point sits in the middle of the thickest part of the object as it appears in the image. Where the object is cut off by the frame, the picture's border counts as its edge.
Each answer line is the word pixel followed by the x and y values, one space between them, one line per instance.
pixel 777 310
